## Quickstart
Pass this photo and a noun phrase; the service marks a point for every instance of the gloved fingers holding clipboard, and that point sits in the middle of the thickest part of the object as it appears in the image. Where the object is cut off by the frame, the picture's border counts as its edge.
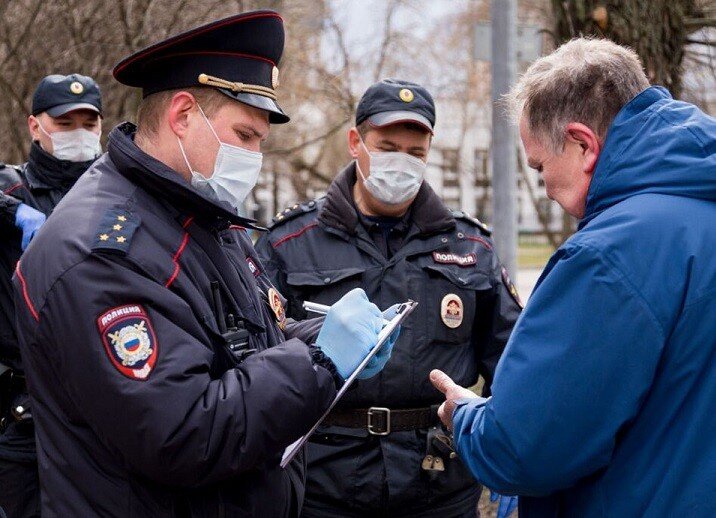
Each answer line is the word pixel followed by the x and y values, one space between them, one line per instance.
pixel 386 336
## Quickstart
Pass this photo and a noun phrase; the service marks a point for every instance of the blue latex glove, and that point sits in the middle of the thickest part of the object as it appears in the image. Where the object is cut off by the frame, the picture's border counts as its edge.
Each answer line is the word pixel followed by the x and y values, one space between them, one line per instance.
pixel 350 331
pixel 377 362
pixel 507 505
pixel 29 221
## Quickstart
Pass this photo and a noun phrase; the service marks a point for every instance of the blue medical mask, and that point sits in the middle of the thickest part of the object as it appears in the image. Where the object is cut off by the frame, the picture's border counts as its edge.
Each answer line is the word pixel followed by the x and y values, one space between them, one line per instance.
pixel 395 177
pixel 236 171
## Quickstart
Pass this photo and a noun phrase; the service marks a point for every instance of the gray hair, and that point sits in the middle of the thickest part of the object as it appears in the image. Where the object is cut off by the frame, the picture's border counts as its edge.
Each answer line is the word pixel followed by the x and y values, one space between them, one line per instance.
pixel 585 80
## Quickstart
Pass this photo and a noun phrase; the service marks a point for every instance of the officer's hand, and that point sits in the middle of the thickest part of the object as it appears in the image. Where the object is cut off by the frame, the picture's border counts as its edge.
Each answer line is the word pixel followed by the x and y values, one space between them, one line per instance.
pixel 452 391
pixel 350 331
pixel 507 504
pixel 377 362
pixel 29 221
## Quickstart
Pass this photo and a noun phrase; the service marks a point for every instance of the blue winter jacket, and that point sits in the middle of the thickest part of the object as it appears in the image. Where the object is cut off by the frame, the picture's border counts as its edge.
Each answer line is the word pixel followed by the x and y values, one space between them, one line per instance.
pixel 604 402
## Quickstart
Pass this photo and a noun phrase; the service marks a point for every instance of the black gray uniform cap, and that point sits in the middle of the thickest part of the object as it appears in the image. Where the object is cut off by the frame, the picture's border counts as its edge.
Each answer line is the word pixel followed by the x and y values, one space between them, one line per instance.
pixel 57 94
pixel 394 101
pixel 237 55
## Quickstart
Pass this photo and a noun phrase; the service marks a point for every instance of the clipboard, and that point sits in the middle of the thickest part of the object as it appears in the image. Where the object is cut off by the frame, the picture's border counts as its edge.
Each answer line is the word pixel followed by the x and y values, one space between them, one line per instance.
pixel 405 309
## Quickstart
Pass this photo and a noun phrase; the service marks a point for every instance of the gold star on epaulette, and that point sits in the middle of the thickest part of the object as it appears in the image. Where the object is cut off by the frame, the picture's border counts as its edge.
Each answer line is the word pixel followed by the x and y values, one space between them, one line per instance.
pixel 121 218
pixel 117 227
pixel 103 237
pixel 121 239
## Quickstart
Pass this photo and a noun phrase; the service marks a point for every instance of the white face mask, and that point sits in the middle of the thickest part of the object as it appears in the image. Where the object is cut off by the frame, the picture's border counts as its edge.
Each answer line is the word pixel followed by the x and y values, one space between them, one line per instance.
pixel 236 171
pixel 79 145
pixel 394 177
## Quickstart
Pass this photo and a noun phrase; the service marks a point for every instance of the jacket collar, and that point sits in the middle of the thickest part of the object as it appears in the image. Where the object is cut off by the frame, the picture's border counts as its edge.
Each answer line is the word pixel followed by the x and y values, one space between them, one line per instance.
pixel 164 183
pixel 428 213
pixel 45 171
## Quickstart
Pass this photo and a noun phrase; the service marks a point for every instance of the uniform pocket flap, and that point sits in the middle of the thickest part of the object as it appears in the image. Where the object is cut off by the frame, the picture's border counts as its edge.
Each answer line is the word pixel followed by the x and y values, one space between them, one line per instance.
pixel 321 278
pixel 469 280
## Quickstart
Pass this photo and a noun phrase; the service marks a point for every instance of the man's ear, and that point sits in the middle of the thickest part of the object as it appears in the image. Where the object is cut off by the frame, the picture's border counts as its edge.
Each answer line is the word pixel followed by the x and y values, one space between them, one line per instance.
pixel 588 141
pixel 33 126
pixel 353 142
pixel 180 109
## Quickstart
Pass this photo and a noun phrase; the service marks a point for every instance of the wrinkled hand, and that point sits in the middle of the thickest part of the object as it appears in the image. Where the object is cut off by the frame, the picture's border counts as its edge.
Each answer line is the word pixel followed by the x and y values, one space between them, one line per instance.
pixel 350 331
pixel 507 504
pixel 377 362
pixel 452 391
pixel 29 221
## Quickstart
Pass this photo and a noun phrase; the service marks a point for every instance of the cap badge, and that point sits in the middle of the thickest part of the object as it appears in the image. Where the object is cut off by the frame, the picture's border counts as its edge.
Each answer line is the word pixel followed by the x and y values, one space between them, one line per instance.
pixel 274 78
pixel 406 95
pixel 451 310
pixel 77 88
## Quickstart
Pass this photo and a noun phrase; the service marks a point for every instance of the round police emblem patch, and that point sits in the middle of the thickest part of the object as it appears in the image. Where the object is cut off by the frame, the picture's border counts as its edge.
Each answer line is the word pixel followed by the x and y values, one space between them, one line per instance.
pixel 129 340
pixel 451 310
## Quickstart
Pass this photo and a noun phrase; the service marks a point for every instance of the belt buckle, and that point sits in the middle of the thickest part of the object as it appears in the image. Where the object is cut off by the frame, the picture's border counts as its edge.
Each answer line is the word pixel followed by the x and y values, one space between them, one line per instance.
pixel 374 410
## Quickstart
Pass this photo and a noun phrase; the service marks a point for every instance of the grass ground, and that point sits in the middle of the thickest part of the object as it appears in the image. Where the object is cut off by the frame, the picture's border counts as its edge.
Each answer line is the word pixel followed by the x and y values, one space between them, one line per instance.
pixel 533 255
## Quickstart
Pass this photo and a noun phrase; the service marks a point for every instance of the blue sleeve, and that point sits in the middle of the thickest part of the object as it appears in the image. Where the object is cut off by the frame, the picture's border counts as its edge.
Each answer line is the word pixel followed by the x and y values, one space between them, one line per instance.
pixel 576 369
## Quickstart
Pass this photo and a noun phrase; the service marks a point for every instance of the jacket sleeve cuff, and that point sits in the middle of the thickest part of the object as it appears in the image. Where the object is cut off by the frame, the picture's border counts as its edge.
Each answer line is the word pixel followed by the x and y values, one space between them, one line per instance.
pixel 8 209
pixel 321 360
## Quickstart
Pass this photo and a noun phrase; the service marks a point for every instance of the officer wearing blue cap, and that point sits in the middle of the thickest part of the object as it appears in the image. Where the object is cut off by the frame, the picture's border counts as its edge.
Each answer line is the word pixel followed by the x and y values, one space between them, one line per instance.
pixel 380 226
pixel 65 126
pixel 168 379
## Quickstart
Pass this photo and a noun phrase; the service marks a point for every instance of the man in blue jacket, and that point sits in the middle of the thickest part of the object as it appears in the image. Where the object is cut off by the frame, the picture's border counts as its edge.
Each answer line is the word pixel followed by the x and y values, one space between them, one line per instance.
pixel 604 402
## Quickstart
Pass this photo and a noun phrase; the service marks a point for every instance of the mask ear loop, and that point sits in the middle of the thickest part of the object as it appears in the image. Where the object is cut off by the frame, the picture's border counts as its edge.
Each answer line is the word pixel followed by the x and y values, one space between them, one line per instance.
pixel 360 139
pixel 206 119
pixel 183 154
pixel 181 147
pixel 39 125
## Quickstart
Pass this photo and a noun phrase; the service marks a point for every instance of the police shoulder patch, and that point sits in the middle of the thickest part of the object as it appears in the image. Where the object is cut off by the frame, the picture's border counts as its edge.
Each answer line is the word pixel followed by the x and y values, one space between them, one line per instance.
pixel 115 230
pixel 129 340
pixel 292 212
pixel 464 216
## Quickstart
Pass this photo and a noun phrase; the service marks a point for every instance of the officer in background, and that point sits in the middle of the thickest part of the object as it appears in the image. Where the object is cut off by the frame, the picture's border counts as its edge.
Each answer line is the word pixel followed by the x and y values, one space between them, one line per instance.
pixel 65 127
pixel 381 227
pixel 165 377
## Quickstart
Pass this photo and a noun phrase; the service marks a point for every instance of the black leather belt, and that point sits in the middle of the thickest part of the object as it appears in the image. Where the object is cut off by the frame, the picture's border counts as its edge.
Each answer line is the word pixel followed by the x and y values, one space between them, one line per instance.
pixel 382 421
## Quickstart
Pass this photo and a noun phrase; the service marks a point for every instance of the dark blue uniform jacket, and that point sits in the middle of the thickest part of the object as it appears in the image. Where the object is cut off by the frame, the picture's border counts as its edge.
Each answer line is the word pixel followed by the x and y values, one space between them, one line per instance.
pixel 318 251
pixel 140 408
pixel 40 183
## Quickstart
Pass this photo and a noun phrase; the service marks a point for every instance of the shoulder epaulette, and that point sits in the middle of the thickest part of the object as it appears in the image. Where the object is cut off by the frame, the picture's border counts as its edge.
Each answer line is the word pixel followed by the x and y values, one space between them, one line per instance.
pixel 116 230
pixel 292 212
pixel 459 214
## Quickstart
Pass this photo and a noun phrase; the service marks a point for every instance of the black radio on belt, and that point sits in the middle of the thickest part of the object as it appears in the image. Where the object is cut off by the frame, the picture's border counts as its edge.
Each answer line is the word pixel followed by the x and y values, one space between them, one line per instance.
pixel 232 330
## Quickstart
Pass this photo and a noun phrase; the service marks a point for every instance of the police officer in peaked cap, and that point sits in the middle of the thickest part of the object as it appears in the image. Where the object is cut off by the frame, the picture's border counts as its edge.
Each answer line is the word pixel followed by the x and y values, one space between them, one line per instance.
pixel 165 377
pixel 65 127
pixel 382 451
